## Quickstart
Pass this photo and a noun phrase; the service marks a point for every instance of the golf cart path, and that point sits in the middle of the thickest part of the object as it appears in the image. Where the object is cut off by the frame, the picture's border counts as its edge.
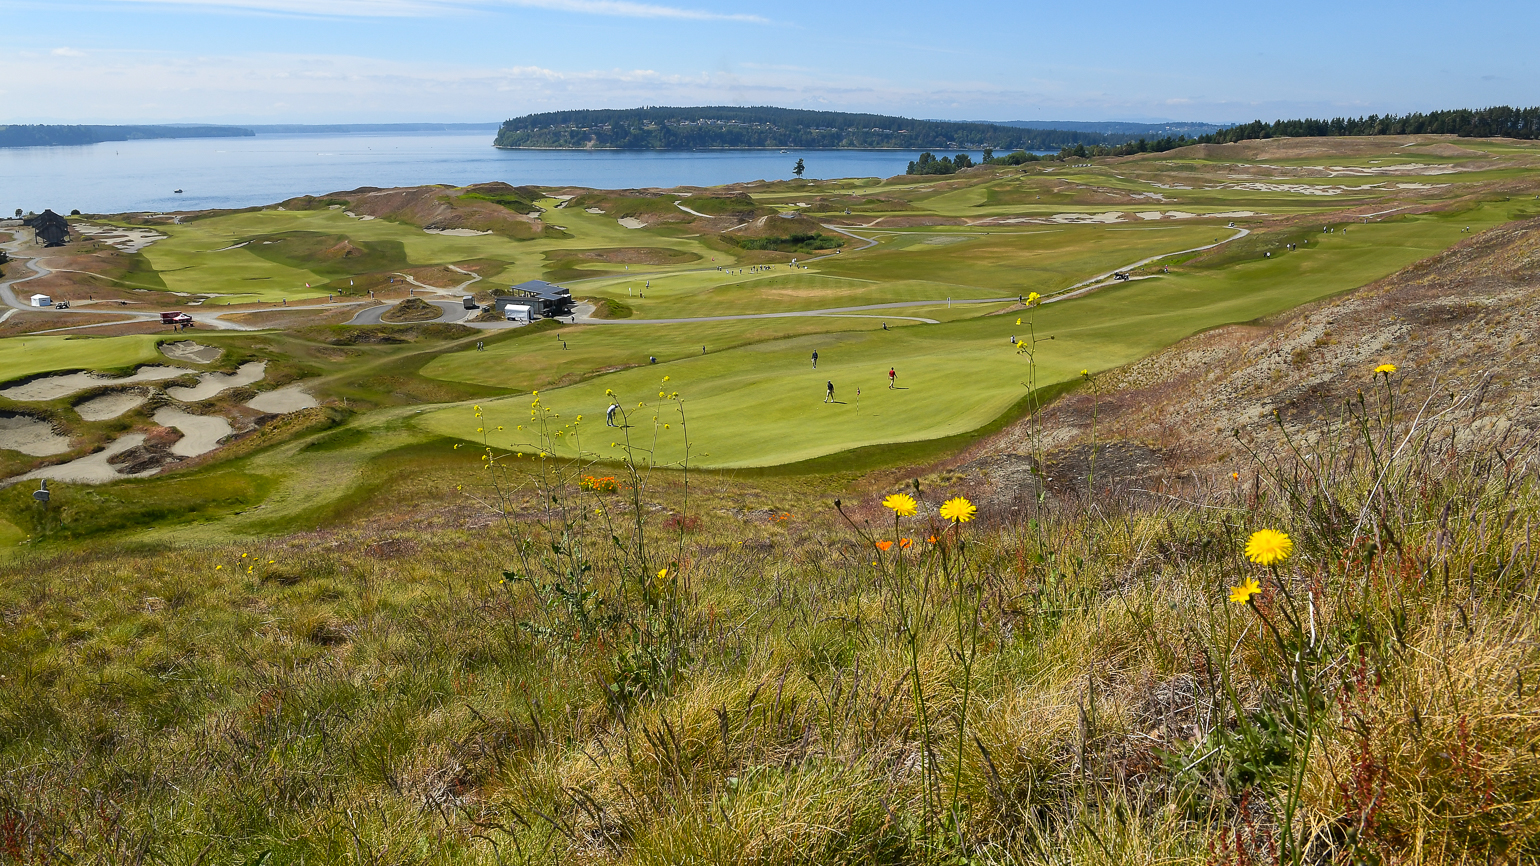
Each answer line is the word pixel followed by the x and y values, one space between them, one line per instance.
pixel 454 312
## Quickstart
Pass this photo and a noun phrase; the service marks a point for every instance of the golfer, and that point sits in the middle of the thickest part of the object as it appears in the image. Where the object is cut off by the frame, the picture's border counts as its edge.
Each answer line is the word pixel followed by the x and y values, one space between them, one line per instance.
pixel 892 376
pixel 609 414
pixel 815 359
pixel 829 398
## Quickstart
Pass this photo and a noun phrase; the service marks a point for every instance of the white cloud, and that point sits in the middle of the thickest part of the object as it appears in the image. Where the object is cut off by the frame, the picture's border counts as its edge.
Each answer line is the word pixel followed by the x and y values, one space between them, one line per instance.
pixel 67 52
pixel 402 8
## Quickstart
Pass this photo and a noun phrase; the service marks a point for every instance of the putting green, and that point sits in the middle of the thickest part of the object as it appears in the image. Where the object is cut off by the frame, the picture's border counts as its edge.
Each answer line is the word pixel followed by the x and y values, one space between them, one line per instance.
pixel 759 404
pixel 24 356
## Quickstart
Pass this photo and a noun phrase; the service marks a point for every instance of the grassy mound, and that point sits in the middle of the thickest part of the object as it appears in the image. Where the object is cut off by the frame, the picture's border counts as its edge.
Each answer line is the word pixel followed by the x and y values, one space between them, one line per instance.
pixel 411 310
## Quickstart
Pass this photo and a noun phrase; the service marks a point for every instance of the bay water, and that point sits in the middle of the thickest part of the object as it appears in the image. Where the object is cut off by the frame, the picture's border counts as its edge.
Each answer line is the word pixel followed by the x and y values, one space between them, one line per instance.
pixel 139 176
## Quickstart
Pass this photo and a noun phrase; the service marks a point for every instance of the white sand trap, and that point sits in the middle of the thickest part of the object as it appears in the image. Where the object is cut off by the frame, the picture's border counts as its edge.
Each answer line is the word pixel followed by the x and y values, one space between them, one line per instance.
pixel 109 405
pixel 1179 215
pixel 282 401
pixel 54 387
pixel 200 433
pixel 457 233
pixel 210 384
pixel 632 223
pixel 1108 217
pixel 92 468
pixel 1149 214
pixel 30 435
pixel 594 210
pixel 187 350
pixel 129 240
pixel 1235 214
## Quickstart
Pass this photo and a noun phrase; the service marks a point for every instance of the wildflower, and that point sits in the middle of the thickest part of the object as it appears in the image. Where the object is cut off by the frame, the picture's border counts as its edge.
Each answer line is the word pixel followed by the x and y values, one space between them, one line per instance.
pixel 902 504
pixel 665 378
pixel 608 392
pixel 1235 476
pixel 457 446
pixel 218 567
pixel 1086 373
pixel 958 510
pixel 884 545
pixel 1243 593
pixel 931 540
pixel 662 573
pixel 1387 369
pixel 1268 547
pixel 244 555
pixel 905 543
pixel 1018 321
pixel 1034 299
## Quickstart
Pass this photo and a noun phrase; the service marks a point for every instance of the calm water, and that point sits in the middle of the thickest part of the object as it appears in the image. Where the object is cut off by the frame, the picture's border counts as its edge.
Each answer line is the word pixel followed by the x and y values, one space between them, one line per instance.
pixel 115 177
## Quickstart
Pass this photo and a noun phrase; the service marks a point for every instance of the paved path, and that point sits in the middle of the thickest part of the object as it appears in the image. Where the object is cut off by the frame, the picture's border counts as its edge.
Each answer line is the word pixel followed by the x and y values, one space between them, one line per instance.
pixel 453 311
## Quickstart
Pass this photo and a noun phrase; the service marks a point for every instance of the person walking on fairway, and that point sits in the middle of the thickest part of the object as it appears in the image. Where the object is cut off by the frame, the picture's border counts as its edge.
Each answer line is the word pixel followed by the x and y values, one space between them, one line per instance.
pixel 815 359
pixel 892 376
pixel 829 398
pixel 609 414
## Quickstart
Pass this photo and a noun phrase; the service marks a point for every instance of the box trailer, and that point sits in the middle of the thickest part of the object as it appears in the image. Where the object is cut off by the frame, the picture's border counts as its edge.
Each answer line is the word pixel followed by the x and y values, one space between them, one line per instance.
pixel 517 313
pixel 42 301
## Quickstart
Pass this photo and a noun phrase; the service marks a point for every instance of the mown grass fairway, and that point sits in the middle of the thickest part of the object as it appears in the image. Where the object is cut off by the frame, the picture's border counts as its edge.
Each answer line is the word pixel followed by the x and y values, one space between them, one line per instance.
pixel 760 404
pixel 28 356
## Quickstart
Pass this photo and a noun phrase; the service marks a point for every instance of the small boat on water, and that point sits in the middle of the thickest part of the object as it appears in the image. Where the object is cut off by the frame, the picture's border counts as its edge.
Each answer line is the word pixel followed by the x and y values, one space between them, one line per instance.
pixel 177 191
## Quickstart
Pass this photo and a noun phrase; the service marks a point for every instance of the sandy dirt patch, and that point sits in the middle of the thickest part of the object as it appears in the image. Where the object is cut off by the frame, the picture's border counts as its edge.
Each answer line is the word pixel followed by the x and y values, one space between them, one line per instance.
pixel 30 435
pixel 632 223
pixel 92 468
pixel 54 387
pixel 129 240
pixel 210 384
pixel 187 350
pixel 281 401
pixel 200 433
pixel 110 405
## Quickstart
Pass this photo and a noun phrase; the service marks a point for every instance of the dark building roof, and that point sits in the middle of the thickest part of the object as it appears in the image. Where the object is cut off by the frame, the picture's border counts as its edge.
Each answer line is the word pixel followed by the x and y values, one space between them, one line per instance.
pixel 543 289
pixel 50 228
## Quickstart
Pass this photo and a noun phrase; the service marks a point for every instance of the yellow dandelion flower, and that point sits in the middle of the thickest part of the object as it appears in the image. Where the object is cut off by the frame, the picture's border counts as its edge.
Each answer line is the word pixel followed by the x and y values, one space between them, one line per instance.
pixel 958 510
pixel 1269 547
pixel 218 567
pixel 1018 321
pixel 1387 369
pixel 901 504
pixel 662 573
pixel 244 555
pixel 1034 299
pixel 665 378
pixel 1243 593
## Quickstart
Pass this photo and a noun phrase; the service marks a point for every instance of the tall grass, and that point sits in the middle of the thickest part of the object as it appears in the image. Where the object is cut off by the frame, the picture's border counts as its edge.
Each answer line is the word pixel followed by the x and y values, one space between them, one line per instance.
pixel 1073 686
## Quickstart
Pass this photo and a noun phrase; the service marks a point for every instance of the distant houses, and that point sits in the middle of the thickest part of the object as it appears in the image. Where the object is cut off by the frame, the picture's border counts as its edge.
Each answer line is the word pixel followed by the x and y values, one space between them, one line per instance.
pixel 51 229
pixel 544 300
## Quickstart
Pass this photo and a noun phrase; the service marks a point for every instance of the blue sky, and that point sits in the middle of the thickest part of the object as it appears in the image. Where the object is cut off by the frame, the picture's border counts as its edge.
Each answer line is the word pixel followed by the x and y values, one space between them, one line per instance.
pixel 128 61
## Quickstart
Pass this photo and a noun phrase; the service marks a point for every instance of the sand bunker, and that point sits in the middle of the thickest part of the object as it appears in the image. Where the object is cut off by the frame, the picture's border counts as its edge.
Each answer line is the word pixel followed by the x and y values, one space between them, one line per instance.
pixel 282 401
pixel 54 387
pixel 109 405
pixel 92 468
pixel 200 433
pixel 187 350
pixel 594 210
pixel 210 384
pixel 30 435
pixel 129 240
pixel 632 223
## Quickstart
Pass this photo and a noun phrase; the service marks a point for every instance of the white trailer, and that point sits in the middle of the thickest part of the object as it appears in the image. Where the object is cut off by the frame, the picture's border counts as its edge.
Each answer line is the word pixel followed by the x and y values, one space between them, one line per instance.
pixel 517 313
pixel 42 301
